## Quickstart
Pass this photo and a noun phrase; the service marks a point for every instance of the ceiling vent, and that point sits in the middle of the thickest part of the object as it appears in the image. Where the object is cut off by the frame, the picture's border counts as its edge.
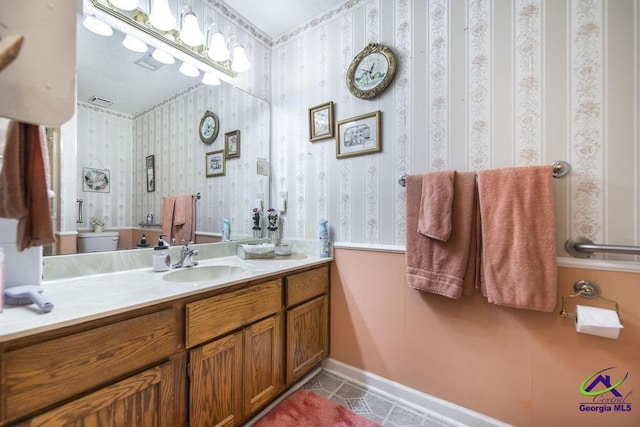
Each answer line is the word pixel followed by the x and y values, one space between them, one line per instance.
pixel 148 62
pixel 100 102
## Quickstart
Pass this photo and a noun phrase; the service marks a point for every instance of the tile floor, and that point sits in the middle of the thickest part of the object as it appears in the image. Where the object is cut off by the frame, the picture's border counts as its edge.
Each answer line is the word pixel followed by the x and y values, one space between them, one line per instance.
pixel 371 404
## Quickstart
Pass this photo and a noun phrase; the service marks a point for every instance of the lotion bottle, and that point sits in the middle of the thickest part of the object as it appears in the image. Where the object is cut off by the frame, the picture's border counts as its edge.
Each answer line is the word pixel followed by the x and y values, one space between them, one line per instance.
pixel 161 256
pixel 323 239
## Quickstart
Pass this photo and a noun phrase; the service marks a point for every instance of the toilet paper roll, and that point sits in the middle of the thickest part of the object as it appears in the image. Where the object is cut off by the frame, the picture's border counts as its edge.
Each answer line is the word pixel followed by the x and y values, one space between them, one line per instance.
pixel 597 321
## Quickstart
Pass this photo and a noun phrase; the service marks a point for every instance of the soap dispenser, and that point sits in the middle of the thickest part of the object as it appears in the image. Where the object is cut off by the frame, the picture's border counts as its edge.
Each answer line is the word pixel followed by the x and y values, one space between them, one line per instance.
pixel 226 230
pixel 161 256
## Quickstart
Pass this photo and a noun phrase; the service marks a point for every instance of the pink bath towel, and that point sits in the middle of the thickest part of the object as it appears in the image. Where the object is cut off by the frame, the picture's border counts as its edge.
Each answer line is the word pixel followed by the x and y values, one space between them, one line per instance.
pixel 442 267
pixel 179 218
pixel 518 247
pixel 184 219
pixel 168 208
pixel 436 204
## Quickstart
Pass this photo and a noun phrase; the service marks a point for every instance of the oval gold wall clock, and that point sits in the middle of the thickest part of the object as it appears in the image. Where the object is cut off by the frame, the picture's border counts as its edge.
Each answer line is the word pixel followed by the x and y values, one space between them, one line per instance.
pixel 209 127
pixel 371 71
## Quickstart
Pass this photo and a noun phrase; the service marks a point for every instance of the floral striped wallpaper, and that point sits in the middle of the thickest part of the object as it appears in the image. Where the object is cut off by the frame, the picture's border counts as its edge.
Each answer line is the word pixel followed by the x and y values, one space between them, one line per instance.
pixel 480 84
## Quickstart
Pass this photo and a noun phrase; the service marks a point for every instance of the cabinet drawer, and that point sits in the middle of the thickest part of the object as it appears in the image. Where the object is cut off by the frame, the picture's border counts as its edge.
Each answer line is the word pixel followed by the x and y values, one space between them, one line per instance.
pixel 304 286
pixel 212 317
pixel 49 372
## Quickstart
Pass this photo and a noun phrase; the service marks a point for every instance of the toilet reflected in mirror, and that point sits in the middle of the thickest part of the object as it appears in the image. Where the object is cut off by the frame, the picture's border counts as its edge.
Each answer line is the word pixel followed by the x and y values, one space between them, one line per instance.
pixel 98 242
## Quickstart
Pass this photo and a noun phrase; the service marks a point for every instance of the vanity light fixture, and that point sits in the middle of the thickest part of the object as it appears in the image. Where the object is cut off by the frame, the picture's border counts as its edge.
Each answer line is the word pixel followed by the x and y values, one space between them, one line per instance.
pixel 210 79
pixel 216 45
pixel 134 44
pixel 125 4
pixel 149 28
pixel 240 62
pixel 96 26
pixel 190 32
pixel 162 56
pixel 189 70
pixel 161 16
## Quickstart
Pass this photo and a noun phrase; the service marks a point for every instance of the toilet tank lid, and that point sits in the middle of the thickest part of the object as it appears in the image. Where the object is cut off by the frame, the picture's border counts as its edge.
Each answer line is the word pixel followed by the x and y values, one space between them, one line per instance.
pixel 89 235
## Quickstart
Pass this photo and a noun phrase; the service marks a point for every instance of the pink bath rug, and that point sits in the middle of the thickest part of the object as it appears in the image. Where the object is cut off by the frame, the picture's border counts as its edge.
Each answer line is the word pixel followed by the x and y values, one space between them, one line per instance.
pixel 305 408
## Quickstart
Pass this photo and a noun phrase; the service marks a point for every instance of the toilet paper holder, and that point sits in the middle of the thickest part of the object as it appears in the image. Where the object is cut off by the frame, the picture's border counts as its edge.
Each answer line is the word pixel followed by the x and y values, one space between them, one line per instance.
pixel 589 290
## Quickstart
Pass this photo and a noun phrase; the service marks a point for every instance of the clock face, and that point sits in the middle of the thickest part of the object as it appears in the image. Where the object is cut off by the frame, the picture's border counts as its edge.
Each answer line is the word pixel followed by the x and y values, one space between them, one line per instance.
pixel 371 71
pixel 209 127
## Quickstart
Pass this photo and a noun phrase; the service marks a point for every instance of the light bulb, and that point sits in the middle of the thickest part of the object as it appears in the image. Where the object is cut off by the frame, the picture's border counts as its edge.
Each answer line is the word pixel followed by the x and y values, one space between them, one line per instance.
pixel 161 16
pixel 189 70
pixel 210 79
pixel 125 4
pixel 190 33
pixel 94 25
pixel 240 62
pixel 217 47
pixel 134 44
pixel 162 56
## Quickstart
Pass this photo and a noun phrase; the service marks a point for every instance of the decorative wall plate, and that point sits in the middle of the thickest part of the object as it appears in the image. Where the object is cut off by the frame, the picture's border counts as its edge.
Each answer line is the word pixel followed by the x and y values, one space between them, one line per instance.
pixel 209 127
pixel 371 71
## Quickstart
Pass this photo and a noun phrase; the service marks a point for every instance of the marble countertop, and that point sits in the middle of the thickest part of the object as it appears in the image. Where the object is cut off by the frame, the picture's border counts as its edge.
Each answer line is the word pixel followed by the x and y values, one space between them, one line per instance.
pixel 83 298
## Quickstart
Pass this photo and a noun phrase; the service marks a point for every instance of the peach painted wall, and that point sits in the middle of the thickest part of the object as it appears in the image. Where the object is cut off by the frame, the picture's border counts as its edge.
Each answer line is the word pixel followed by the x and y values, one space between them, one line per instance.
pixel 521 367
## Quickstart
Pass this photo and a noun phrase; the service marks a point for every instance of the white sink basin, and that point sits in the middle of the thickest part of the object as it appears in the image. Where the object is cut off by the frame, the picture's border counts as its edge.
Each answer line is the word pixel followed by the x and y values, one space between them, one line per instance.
pixel 203 274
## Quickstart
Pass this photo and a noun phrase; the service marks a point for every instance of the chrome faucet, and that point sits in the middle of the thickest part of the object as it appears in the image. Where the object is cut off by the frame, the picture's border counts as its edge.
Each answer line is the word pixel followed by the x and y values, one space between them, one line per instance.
pixel 186 257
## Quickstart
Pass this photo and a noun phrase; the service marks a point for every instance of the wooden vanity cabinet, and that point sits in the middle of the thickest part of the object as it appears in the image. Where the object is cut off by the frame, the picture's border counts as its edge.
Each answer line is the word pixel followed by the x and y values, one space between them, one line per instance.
pixel 307 301
pixel 235 375
pixel 213 361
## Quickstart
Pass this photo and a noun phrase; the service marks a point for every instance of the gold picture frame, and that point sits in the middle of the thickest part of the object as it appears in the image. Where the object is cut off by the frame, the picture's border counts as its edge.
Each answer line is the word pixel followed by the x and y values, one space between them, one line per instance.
pixel 215 163
pixel 359 135
pixel 232 144
pixel 321 122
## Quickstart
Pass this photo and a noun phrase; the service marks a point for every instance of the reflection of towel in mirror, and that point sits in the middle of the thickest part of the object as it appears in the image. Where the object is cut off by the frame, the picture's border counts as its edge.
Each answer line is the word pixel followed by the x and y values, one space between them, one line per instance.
pixel 168 205
pixel 178 221
pixel 24 185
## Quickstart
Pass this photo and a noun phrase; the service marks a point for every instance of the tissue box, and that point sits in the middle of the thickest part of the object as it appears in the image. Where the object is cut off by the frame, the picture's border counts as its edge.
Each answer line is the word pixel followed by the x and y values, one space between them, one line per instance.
pixel 256 251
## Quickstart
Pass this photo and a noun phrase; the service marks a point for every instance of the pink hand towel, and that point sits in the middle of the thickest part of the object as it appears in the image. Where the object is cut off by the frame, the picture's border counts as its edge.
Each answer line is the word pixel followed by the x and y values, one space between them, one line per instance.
pixel 444 268
pixel 436 205
pixel 518 248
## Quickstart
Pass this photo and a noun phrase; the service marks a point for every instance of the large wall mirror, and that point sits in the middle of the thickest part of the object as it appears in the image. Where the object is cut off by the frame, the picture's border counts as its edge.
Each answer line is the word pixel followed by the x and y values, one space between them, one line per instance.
pixel 131 107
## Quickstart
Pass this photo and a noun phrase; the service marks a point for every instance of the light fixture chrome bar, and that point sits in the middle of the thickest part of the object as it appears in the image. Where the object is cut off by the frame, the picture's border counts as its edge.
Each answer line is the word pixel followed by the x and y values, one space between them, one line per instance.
pixel 581 247
pixel 138 19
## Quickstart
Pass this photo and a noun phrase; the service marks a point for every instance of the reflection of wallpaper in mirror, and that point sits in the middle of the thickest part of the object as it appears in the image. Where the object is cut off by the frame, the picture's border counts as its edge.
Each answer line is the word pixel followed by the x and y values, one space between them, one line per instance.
pixel 122 143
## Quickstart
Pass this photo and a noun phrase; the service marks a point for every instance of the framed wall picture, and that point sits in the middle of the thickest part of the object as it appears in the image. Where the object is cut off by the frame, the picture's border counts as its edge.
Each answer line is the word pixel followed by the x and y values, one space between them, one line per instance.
pixel 359 135
pixel 321 121
pixel 232 144
pixel 151 173
pixel 96 180
pixel 215 163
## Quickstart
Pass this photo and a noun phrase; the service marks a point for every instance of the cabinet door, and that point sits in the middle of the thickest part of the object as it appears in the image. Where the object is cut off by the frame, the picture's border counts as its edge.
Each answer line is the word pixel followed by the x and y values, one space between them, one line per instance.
pixel 307 337
pixel 216 383
pixel 263 343
pixel 150 398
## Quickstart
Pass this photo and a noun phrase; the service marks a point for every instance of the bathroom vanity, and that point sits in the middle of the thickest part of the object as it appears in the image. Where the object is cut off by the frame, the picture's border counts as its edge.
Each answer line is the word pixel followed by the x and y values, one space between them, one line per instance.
pixel 200 353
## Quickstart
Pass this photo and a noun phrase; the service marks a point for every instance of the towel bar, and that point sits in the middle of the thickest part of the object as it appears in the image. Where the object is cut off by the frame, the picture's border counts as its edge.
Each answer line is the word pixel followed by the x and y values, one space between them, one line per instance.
pixel 581 247
pixel 560 170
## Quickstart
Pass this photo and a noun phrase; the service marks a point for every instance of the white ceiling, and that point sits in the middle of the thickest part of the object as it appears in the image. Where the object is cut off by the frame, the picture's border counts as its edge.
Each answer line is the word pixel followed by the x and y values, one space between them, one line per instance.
pixel 107 69
pixel 276 17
